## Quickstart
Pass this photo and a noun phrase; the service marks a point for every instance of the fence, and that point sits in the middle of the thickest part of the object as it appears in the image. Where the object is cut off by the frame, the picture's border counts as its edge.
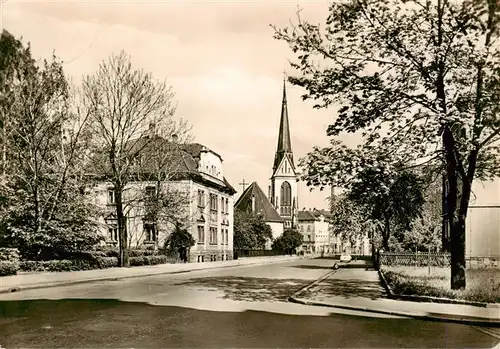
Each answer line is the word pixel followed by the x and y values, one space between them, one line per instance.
pixel 412 259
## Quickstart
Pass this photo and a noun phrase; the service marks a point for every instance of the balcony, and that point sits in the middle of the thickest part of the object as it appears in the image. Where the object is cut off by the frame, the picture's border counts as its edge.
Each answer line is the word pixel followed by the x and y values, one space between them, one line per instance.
pixel 285 211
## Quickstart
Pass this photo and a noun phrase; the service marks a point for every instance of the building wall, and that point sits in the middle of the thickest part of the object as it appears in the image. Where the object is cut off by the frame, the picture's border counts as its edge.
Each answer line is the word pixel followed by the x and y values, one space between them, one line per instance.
pixel 483 220
pixel 221 220
pixel 315 235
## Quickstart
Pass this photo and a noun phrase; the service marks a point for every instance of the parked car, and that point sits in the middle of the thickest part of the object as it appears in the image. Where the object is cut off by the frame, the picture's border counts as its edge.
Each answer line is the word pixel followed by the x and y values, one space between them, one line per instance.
pixel 345 257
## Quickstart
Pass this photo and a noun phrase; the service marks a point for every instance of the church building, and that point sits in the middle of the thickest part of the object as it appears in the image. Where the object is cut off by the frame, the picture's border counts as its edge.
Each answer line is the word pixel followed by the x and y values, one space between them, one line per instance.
pixel 283 193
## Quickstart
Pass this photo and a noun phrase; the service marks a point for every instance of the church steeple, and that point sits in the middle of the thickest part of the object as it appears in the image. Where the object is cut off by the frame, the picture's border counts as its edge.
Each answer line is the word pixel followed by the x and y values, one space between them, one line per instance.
pixel 284 140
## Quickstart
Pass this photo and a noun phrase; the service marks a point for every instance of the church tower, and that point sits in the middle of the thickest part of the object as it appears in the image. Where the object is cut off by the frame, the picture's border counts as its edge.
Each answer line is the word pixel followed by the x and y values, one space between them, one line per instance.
pixel 283 188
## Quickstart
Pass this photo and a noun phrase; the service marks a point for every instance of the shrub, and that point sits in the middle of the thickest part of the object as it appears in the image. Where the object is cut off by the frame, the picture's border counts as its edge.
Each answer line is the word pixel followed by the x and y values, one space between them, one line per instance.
pixel 148 260
pixel 107 262
pixel 57 265
pixel 9 254
pixel 8 268
pixel 142 252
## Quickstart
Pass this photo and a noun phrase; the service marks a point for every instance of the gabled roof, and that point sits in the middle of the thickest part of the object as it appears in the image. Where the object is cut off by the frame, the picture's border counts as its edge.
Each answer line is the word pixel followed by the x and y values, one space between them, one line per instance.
pixel 262 204
pixel 182 162
pixel 307 216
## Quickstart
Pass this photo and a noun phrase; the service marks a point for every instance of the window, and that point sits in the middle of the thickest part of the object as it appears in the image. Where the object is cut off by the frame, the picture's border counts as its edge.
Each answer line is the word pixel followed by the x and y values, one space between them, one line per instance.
pixel 227 205
pixel 111 196
pixel 150 231
pixel 201 198
pixel 227 237
pixel 201 234
pixel 150 192
pixel 113 232
pixel 301 228
pixel 308 228
pixel 222 205
pixel 286 194
pixel 213 202
pixel 213 235
pixel 223 235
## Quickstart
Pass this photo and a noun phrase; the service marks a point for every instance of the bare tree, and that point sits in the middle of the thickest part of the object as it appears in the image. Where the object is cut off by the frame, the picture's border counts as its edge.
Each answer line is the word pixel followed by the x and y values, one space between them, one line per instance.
pixel 126 106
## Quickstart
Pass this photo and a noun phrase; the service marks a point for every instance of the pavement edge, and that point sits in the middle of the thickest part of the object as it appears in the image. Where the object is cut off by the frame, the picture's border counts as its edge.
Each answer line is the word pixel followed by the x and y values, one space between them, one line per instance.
pixel 438 318
pixel 413 298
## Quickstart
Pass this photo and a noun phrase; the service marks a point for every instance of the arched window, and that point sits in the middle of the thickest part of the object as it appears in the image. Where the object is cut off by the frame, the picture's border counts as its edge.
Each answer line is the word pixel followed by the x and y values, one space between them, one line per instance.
pixel 286 194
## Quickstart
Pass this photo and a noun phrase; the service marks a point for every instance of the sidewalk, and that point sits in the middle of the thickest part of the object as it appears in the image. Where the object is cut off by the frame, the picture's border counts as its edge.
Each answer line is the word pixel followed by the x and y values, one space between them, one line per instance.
pixel 21 282
pixel 357 287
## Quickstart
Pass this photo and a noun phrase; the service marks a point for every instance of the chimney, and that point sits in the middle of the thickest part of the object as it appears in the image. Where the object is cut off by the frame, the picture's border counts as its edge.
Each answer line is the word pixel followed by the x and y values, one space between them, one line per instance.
pixel 253 203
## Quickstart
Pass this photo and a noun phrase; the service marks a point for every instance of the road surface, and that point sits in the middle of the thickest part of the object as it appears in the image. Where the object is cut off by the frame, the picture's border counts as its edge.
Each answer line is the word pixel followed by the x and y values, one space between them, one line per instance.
pixel 218 308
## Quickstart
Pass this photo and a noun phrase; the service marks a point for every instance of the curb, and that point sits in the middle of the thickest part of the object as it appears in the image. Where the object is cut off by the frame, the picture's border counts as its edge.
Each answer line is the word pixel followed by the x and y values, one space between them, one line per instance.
pixel 114 278
pixel 441 318
pixel 430 299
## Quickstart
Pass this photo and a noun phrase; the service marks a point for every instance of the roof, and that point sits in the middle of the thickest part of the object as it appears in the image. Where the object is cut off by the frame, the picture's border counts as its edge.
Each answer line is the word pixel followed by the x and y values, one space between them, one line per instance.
pixel 262 204
pixel 325 213
pixel 307 216
pixel 182 162
pixel 284 140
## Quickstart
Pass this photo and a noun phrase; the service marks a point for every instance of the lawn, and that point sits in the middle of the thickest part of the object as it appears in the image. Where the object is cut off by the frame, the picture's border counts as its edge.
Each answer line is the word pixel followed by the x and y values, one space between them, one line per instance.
pixel 483 285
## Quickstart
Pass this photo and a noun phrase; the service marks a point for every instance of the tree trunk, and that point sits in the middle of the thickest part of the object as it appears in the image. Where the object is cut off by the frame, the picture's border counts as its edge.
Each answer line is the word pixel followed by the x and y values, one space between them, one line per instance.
pixel 458 253
pixel 122 228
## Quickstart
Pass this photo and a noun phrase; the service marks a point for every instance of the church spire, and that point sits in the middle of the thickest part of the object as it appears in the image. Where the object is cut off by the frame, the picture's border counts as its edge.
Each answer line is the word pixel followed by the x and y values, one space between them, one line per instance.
pixel 284 140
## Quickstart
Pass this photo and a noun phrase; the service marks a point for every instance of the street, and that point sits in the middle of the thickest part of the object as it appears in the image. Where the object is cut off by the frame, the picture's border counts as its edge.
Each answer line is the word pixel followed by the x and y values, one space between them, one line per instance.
pixel 231 307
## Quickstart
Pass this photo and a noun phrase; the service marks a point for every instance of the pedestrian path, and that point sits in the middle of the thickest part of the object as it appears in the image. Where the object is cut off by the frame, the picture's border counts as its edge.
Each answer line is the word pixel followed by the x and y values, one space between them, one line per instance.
pixel 358 288
pixel 48 279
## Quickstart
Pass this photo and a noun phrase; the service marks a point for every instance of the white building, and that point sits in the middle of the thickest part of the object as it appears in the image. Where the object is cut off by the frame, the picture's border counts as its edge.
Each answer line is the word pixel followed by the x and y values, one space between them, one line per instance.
pixel 314 227
pixel 208 204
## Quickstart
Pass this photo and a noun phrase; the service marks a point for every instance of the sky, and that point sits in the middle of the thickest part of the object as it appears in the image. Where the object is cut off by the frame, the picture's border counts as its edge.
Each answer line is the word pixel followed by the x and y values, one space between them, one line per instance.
pixel 219 56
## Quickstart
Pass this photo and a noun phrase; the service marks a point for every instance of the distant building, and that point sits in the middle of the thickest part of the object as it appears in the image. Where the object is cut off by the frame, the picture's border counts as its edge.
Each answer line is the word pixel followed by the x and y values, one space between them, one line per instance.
pixel 254 200
pixel 209 208
pixel 283 192
pixel 314 227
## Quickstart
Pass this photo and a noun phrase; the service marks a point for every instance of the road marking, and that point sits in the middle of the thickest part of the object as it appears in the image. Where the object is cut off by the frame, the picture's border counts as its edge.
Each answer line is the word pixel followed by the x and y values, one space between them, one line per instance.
pixel 492 331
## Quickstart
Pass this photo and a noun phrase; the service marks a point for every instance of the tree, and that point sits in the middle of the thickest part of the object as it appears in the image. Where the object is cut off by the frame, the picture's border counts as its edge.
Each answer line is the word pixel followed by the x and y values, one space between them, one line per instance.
pixel 393 200
pixel 288 241
pixel 179 241
pixel 124 104
pixel 250 231
pixel 46 211
pixel 418 79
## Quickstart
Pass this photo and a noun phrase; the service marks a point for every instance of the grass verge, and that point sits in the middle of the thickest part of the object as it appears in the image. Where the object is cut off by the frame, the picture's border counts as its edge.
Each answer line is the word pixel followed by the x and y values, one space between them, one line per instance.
pixel 483 285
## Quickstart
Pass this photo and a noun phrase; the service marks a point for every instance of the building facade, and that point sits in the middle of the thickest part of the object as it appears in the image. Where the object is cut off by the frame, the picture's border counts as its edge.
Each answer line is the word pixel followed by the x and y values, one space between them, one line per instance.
pixel 283 190
pixel 314 227
pixel 205 208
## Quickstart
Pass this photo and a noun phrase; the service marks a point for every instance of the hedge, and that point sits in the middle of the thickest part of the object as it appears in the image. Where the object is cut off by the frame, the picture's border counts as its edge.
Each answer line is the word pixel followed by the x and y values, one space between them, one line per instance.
pixel 98 263
pixel 148 260
pixel 8 268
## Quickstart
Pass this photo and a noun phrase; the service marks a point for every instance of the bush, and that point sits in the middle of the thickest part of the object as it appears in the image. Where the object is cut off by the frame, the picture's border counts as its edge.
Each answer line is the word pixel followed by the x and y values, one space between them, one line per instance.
pixel 69 265
pixel 9 255
pixel 8 268
pixel 147 260
pixel 142 252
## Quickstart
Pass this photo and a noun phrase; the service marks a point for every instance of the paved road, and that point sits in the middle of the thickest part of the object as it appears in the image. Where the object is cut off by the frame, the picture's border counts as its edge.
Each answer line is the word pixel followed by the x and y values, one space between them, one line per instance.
pixel 232 307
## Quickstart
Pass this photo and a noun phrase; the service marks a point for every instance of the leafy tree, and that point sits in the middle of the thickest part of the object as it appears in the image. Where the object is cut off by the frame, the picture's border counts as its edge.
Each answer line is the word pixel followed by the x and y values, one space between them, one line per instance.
pixel 419 80
pixel 394 200
pixel 124 104
pixel 250 231
pixel 288 242
pixel 46 212
pixel 179 239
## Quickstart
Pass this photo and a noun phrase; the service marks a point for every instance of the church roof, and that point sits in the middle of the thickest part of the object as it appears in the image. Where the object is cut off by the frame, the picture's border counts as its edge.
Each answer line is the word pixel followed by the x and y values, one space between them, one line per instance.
pixel 262 204
pixel 284 140
pixel 307 216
